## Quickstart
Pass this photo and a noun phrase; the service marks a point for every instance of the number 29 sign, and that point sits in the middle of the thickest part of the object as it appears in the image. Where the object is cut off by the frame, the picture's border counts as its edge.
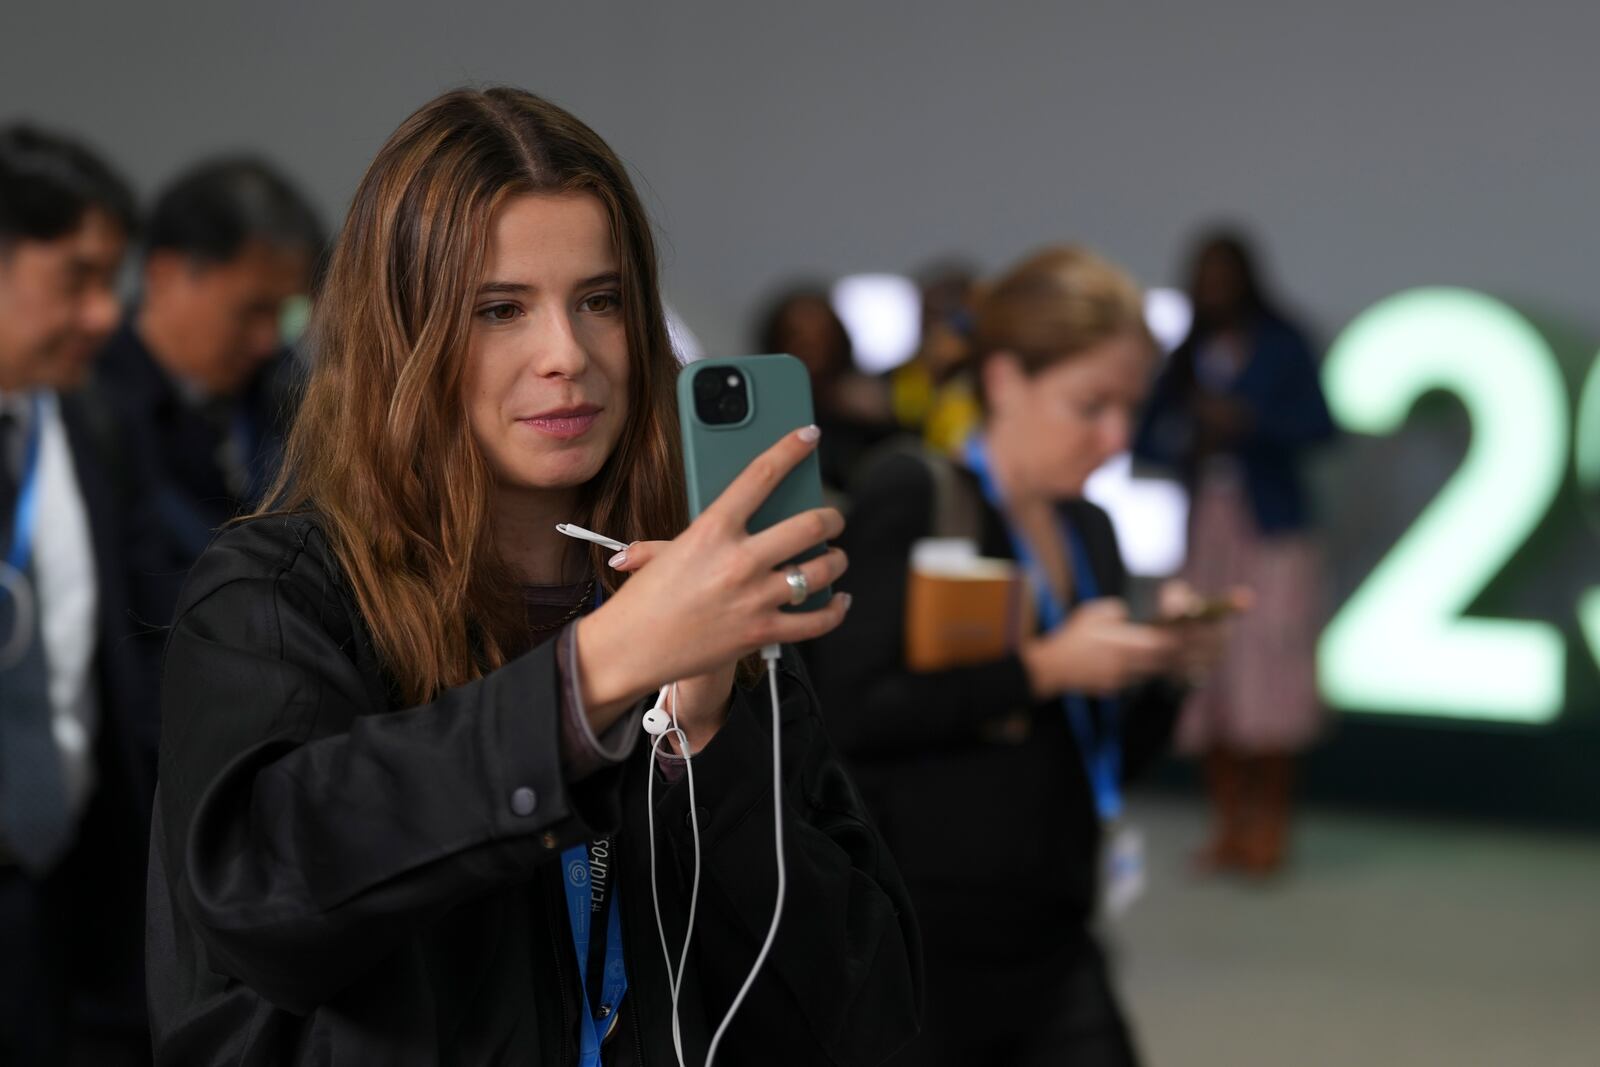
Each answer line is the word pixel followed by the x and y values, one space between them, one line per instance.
pixel 1402 643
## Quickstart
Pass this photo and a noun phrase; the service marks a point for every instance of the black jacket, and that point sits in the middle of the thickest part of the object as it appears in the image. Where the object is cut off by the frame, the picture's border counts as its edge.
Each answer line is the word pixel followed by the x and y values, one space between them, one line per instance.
pixel 172 451
pixel 337 881
pixel 974 821
pixel 1280 387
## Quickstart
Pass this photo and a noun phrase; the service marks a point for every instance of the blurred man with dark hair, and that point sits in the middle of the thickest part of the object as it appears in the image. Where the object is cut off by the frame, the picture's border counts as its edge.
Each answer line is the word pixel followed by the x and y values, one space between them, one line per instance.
pixel 200 375
pixel 77 730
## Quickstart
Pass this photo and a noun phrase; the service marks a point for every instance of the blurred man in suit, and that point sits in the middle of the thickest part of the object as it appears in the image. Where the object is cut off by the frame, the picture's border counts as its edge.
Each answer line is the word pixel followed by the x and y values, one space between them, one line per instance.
pixel 199 377
pixel 77 718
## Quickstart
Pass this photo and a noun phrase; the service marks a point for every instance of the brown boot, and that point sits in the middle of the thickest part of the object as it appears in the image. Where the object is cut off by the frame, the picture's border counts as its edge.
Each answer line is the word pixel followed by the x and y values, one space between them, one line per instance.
pixel 1266 848
pixel 1225 785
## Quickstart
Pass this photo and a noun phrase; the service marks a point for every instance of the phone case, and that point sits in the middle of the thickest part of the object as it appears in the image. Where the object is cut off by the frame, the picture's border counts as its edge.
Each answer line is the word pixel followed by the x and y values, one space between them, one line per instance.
pixel 780 403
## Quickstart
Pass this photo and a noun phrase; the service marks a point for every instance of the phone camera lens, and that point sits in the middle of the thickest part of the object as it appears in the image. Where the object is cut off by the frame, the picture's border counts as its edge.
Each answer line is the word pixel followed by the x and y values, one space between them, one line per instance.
pixel 721 396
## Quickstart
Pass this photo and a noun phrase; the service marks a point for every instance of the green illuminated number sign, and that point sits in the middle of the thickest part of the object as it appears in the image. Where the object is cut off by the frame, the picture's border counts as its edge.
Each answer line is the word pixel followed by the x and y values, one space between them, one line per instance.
pixel 1401 644
pixel 1588 470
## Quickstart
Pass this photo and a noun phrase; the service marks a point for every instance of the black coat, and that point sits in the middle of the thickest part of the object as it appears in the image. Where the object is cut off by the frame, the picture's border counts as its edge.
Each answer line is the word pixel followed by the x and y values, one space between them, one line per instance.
pixel 979 825
pixel 163 444
pixel 337 881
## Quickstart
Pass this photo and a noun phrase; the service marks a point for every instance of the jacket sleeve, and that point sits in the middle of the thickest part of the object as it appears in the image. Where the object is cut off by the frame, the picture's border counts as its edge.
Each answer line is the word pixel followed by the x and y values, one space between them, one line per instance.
pixel 307 828
pixel 843 984
pixel 874 703
pixel 1292 410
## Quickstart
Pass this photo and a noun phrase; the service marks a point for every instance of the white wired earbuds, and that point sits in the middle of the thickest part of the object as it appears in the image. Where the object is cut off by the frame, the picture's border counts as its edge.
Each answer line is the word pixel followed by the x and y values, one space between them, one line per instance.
pixel 660 722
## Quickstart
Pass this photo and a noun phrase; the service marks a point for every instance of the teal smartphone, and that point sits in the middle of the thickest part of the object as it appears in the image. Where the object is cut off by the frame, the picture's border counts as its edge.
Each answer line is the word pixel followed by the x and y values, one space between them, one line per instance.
pixel 732 410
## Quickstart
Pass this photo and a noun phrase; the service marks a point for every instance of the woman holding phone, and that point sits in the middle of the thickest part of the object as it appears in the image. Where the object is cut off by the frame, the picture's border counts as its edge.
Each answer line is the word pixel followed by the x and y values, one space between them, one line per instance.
pixel 996 783
pixel 400 711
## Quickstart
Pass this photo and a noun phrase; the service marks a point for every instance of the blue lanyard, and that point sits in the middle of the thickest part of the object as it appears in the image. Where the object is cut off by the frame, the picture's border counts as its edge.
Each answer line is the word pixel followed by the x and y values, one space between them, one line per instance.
pixel 593 1024
pixel 27 513
pixel 1102 755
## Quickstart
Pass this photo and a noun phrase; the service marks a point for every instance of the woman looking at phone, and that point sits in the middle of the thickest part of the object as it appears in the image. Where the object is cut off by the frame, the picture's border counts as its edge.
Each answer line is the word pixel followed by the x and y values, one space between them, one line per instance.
pixel 392 708
pixel 995 782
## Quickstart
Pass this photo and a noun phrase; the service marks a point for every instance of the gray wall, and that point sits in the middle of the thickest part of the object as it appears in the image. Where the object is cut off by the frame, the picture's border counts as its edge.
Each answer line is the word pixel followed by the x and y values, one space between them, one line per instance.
pixel 1376 145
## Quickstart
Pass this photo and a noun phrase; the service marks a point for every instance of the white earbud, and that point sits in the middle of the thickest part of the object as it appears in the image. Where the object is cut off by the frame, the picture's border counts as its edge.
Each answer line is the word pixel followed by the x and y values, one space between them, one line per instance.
pixel 579 533
pixel 657 721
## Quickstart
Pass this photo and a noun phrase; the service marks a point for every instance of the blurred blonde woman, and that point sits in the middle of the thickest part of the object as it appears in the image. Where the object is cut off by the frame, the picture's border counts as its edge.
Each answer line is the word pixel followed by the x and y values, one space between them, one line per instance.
pixel 996 783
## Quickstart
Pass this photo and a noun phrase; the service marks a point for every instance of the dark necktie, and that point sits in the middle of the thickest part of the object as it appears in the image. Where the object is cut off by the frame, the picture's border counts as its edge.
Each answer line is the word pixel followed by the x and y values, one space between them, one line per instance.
pixel 35 818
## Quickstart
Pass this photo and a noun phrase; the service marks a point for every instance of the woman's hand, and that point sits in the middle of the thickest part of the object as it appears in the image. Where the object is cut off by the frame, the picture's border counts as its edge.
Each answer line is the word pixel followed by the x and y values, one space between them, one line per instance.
pixel 700 704
pixel 1098 650
pixel 1203 642
pixel 712 595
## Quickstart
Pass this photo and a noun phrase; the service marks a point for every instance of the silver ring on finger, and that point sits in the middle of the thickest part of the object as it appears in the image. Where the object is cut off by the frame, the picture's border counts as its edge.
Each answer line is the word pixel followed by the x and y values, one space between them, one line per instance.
pixel 799 588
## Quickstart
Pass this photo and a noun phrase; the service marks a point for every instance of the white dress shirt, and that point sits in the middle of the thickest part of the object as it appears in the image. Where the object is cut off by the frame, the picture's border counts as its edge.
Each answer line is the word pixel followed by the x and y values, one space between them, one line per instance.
pixel 67 594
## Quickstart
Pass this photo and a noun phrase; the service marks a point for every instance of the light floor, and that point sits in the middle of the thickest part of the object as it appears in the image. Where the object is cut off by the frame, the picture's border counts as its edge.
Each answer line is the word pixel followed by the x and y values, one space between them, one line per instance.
pixel 1393 942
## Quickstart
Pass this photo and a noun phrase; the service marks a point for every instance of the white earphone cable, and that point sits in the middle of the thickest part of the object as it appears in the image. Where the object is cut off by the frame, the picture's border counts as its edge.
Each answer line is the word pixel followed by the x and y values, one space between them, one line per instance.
pixel 674 977
pixel 654 724
pixel 771 654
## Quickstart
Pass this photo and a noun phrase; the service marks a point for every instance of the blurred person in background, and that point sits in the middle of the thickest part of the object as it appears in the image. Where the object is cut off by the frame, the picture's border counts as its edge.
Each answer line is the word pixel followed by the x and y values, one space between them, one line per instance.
pixel 994 783
pixel 199 378
pixel 1236 412
pixel 76 722
pixel 933 394
pixel 853 408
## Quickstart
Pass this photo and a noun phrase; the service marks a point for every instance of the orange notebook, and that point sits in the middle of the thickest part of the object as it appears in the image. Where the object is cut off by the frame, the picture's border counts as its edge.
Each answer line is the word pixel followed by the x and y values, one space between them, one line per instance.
pixel 962 608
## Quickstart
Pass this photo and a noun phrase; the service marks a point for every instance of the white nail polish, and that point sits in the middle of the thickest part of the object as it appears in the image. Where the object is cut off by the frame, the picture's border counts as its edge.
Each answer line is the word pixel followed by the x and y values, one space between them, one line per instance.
pixel 810 433
pixel 618 560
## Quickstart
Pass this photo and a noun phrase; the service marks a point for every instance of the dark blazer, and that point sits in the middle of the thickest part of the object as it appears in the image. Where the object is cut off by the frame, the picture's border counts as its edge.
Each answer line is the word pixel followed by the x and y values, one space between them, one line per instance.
pixel 337 880
pixel 1288 413
pixel 972 819
pixel 104 871
pixel 168 446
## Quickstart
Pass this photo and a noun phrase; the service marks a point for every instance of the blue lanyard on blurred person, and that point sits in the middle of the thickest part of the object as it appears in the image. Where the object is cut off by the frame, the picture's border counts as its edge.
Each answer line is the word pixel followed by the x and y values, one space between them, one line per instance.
pixel 1102 755
pixel 14 640
pixel 20 552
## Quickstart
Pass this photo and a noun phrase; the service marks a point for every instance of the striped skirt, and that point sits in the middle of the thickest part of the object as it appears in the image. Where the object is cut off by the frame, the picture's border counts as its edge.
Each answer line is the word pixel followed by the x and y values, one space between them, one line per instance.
pixel 1262 698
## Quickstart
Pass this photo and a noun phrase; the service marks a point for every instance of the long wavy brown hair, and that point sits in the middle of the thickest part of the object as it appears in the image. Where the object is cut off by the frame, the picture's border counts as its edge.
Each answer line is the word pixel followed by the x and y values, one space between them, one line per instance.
pixel 380 450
